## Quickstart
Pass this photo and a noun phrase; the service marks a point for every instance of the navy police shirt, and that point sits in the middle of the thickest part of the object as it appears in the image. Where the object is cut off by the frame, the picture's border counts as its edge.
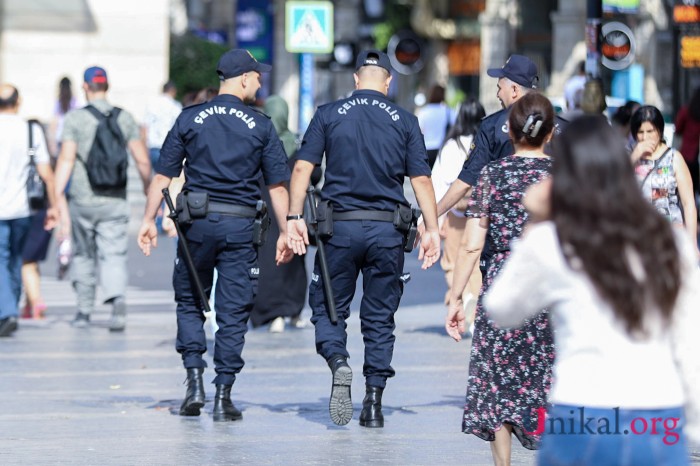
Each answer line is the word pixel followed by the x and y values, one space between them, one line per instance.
pixel 371 145
pixel 225 145
pixel 491 143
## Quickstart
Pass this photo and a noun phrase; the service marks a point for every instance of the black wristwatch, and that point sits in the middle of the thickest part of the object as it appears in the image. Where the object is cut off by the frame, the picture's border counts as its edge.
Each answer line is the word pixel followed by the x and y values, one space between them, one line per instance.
pixel 295 217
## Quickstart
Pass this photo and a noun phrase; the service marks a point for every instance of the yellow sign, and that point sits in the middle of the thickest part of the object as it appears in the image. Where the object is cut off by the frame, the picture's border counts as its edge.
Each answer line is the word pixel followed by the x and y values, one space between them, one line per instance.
pixel 690 51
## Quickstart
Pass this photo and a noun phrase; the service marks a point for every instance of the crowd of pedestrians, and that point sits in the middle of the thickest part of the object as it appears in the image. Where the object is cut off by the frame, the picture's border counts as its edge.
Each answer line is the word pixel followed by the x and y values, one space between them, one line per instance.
pixel 571 240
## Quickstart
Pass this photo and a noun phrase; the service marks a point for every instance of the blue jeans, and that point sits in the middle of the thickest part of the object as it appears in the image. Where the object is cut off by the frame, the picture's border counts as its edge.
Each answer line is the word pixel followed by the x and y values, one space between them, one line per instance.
pixel 575 435
pixel 13 234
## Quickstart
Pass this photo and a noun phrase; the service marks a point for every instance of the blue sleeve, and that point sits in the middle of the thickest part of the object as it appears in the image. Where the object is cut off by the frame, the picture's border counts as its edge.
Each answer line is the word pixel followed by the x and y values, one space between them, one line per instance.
pixel 417 157
pixel 274 159
pixel 172 153
pixel 314 143
pixel 478 158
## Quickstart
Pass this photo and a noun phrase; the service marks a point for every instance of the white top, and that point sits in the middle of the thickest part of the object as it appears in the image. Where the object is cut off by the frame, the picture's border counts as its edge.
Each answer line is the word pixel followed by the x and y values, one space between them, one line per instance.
pixel 597 363
pixel 434 120
pixel 573 85
pixel 447 166
pixel 14 164
pixel 161 114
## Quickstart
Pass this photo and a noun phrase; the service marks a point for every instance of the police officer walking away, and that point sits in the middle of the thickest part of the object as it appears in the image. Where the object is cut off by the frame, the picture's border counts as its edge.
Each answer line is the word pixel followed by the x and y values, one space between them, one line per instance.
pixel 225 145
pixel 515 79
pixel 371 145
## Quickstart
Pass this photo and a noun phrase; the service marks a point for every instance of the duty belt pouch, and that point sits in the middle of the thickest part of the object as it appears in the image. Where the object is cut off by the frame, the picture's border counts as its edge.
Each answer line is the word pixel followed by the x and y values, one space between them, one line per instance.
pixel 182 209
pixel 261 224
pixel 402 218
pixel 324 219
pixel 198 204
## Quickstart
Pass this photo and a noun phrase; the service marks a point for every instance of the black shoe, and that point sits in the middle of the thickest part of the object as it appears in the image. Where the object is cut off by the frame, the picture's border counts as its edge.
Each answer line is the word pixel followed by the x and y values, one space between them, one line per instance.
pixel 224 410
pixel 371 415
pixel 8 325
pixel 81 320
pixel 194 397
pixel 340 405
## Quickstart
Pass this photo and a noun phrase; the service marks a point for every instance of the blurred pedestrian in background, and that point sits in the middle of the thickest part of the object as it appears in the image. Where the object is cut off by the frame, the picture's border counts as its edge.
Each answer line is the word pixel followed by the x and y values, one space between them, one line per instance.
pixel 622 288
pixel 15 213
pixel 688 127
pixel 662 172
pixel 161 113
pixel 621 122
pixel 66 102
pixel 450 160
pixel 287 280
pixel 574 85
pixel 99 216
pixel 434 119
pixel 35 250
pixel 509 370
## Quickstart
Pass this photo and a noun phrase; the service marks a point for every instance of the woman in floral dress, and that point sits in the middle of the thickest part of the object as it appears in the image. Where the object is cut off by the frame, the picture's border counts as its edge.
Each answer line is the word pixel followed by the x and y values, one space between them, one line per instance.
pixel 509 370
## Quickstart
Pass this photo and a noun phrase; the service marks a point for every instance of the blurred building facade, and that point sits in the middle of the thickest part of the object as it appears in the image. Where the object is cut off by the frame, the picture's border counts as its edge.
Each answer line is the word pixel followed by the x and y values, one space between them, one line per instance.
pixel 43 40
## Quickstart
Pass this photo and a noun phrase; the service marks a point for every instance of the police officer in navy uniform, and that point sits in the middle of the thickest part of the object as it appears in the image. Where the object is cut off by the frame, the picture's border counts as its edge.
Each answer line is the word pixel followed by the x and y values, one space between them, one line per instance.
pixel 516 77
pixel 225 144
pixel 370 145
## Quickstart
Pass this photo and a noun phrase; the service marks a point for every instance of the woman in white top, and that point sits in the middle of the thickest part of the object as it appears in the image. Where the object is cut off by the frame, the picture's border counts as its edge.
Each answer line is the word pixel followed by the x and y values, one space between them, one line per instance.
pixel 447 166
pixel 622 290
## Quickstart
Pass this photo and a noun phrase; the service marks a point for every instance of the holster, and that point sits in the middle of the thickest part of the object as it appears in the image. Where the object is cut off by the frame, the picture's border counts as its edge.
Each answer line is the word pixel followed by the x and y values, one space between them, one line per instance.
pixel 406 221
pixel 324 219
pixel 261 224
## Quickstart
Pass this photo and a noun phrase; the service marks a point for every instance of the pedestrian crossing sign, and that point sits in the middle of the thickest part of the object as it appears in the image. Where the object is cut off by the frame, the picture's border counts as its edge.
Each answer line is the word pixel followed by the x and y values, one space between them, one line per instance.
pixel 309 27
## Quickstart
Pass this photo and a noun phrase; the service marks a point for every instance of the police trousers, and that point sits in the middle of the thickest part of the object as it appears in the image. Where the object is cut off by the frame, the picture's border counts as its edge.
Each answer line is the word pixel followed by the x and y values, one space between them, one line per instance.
pixel 375 249
pixel 223 243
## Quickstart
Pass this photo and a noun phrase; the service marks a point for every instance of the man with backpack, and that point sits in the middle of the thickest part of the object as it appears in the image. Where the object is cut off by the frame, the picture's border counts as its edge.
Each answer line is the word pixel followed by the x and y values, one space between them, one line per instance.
pixel 94 157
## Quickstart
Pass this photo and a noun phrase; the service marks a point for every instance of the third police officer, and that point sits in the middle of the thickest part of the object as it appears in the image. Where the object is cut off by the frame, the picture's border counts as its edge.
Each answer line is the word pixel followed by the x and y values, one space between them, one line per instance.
pixel 370 145
pixel 225 145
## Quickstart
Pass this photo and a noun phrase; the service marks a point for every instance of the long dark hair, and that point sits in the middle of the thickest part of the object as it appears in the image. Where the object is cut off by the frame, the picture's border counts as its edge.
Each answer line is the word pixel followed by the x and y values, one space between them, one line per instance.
pixel 467 123
pixel 605 224
pixel 65 95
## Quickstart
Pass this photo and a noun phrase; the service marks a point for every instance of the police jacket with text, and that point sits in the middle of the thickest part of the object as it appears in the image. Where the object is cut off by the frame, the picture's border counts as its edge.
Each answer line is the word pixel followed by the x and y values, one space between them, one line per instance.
pixel 225 145
pixel 371 145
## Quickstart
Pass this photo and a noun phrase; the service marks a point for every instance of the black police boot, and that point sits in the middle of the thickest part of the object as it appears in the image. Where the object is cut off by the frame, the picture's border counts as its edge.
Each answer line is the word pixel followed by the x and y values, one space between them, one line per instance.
pixel 340 405
pixel 371 415
pixel 224 410
pixel 194 397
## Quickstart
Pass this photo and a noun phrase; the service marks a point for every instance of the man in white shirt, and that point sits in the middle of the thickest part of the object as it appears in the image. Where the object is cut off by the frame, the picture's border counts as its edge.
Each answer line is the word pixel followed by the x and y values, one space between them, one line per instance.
pixel 161 114
pixel 15 215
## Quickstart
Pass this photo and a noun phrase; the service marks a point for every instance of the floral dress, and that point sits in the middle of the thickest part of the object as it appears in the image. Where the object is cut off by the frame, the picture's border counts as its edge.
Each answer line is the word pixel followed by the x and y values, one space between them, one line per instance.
pixel 510 371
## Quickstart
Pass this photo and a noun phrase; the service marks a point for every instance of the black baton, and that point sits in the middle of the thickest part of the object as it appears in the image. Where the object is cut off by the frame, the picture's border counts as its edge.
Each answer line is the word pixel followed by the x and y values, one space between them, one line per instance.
pixel 323 265
pixel 186 252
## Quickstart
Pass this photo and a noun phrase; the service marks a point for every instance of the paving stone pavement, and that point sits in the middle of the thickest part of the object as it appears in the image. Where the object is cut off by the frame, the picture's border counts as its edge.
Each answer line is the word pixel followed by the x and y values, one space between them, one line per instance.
pixel 85 396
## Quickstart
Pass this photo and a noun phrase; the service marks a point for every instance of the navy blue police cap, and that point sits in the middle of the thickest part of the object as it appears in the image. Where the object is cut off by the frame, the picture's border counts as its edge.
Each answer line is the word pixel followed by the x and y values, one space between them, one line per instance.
pixel 236 62
pixel 519 69
pixel 373 58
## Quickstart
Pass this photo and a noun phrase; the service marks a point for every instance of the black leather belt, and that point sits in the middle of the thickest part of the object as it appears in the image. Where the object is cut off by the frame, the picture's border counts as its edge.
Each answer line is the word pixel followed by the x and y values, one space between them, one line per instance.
pixel 231 209
pixel 377 215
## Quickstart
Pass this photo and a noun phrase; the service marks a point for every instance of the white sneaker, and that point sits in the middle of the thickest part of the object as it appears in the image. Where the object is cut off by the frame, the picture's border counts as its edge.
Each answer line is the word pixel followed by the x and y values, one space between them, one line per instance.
pixel 298 322
pixel 277 325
